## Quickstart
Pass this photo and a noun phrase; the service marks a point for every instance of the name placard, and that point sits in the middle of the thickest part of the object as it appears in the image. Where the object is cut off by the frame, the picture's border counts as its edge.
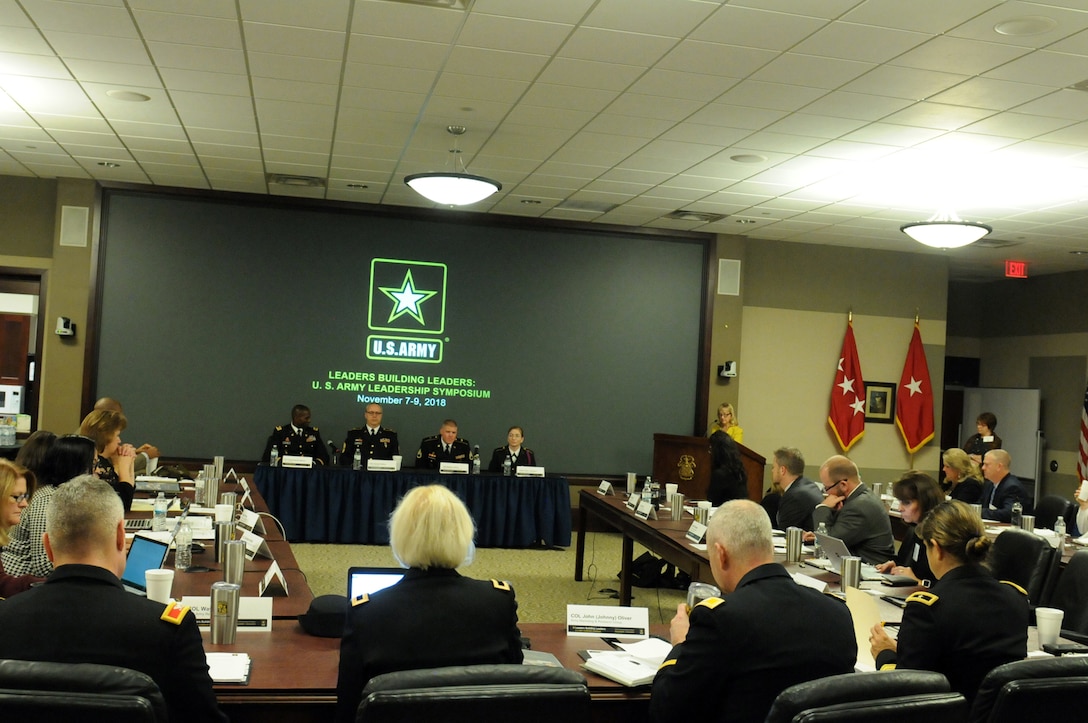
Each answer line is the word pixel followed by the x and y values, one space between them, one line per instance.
pixel 250 520
pixel 646 511
pixel 273 575
pixel 296 461
pixel 605 488
pixel 255 545
pixel 453 468
pixel 632 501
pixel 381 465
pixel 528 471
pixel 697 532
pixel 597 620
pixel 254 613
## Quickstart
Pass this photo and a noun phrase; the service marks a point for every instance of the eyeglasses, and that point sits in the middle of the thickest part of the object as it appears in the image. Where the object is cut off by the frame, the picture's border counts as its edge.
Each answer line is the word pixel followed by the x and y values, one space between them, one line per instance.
pixel 18 499
pixel 827 490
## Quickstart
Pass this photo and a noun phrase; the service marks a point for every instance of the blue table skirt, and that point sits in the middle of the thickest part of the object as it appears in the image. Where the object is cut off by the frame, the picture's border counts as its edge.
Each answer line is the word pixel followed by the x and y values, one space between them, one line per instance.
pixel 342 505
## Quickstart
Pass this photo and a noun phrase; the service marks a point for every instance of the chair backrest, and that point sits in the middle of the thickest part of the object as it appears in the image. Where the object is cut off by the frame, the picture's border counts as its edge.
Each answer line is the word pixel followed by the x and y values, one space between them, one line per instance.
pixel 896 696
pixel 1024 558
pixel 1020 691
pixel 43 691
pixel 1049 509
pixel 1071 593
pixel 472 693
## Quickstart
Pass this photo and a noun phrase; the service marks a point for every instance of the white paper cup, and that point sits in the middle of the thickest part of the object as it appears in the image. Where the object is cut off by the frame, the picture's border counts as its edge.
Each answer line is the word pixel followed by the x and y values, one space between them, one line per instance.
pixel 631 482
pixel 397 459
pixel 671 489
pixel 224 513
pixel 1082 493
pixel 1049 623
pixel 159 582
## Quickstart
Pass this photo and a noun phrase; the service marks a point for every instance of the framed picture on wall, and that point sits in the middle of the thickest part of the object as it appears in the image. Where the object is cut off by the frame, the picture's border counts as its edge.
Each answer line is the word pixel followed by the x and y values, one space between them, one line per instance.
pixel 880 402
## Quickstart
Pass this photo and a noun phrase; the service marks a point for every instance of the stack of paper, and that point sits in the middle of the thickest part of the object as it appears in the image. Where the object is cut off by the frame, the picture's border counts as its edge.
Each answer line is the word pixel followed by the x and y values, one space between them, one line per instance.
pixel 636 664
pixel 229 667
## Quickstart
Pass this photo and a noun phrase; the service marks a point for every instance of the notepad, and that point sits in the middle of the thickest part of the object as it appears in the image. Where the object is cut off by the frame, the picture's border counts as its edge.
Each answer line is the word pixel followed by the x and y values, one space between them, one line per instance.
pixel 229 667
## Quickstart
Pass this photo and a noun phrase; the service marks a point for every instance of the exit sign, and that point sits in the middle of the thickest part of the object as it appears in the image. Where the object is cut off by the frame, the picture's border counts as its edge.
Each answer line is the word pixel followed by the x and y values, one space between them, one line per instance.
pixel 1016 269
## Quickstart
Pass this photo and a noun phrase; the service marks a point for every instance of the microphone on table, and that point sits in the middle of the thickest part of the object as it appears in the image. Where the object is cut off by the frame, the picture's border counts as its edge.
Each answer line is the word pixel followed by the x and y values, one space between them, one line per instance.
pixel 333 452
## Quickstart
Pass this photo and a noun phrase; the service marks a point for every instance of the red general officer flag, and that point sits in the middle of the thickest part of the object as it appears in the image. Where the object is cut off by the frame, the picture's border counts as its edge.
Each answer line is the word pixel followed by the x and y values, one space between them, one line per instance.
pixel 847 415
pixel 914 400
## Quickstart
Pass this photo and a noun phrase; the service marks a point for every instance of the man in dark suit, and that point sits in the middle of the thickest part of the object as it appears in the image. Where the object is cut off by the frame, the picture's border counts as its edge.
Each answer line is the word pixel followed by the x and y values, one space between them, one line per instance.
pixel 82 614
pixel 730 658
pixel 297 438
pixel 1002 489
pixel 445 446
pixel 852 513
pixel 374 440
pixel 800 495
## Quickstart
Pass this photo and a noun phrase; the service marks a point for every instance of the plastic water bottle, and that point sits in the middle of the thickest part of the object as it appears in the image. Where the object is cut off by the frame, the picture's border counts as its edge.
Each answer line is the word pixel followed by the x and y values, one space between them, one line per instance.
pixel 274 457
pixel 476 463
pixel 158 522
pixel 183 554
pixel 1059 530
pixel 819 553
pixel 648 490
pixel 1017 513
pixel 357 460
pixel 506 466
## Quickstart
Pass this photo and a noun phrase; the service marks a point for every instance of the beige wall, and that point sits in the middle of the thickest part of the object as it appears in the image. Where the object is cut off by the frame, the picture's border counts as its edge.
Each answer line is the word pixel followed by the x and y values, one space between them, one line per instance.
pixel 31 209
pixel 725 340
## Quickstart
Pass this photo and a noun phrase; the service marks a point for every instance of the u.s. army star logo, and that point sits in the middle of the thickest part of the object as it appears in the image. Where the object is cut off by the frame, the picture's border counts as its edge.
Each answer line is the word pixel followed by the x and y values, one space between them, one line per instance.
pixel 407 299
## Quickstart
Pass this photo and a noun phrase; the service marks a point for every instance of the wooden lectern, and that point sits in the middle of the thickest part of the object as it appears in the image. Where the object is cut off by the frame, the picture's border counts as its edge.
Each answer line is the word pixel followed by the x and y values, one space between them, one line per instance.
pixel 685 461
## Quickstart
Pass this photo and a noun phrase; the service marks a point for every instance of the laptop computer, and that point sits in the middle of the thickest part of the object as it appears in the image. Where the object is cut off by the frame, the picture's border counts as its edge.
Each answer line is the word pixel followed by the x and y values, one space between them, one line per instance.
pixel 155 485
pixel 836 549
pixel 369 580
pixel 144 554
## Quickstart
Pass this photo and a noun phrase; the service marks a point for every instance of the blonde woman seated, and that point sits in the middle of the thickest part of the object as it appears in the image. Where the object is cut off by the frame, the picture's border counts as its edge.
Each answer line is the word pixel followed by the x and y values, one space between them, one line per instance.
pixel 433 617
pixel 727 422
pixel 16 486
pixel 114 462
pixel 964 475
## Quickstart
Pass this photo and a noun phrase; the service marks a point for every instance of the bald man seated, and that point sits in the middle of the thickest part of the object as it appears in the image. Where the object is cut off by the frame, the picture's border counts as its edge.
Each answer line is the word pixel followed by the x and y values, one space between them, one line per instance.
pixel 852 513
pixel 1002 489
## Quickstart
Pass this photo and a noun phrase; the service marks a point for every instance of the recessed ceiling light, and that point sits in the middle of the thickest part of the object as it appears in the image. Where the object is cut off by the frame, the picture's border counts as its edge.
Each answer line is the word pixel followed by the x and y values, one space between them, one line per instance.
pixel 128 95
pixel 109 164
pixel 1026 25
pixel 748 158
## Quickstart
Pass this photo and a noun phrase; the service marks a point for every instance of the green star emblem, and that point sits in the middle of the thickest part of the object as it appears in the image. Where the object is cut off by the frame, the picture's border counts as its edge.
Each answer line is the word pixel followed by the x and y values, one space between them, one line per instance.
pixel 406 299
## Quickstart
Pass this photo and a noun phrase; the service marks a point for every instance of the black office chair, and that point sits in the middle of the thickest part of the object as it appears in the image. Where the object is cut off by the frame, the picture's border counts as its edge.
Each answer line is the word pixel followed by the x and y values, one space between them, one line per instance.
pixel 1021 691
pixel 1050 508
pixel 1024 558
pixel 1071 595
pixel 64 692
pixel 474 693
pixel 894 696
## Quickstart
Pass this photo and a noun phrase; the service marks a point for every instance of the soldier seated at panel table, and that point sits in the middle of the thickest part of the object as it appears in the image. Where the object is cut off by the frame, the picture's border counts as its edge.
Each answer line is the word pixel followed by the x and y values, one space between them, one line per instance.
pixel 297 438
pixel 374 440
pixel 445 446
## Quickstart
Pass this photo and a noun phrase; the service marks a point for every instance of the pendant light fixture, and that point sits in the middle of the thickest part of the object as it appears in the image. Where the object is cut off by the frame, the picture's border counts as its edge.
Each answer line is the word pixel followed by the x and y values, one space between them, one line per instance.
pixel 456 188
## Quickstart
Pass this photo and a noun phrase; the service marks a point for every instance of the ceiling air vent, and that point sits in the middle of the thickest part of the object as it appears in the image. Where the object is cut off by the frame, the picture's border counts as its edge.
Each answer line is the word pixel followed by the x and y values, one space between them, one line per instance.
pixel 994 243
pixel 284 179
pixel 699 216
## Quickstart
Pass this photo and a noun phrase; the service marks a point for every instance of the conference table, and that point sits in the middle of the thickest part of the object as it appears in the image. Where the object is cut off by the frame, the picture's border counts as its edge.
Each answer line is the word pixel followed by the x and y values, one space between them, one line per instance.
pixel 353 506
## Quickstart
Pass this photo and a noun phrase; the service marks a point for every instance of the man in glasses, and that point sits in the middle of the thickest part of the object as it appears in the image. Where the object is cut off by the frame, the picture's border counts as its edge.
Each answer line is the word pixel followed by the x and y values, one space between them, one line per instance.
pixel 852 513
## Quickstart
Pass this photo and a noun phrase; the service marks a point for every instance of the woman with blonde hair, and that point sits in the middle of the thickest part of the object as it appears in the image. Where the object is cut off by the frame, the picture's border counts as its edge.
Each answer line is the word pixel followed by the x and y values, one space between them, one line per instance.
pixel 727 422
pixel 964 475
pixel 968 623
pixel 16 486
pixel 433 617
pixel 115 461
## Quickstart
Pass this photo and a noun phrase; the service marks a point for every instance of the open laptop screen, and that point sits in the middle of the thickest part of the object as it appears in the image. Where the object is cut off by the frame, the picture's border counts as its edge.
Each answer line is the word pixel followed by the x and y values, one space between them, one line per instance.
pixel 370 580
pixel 144 554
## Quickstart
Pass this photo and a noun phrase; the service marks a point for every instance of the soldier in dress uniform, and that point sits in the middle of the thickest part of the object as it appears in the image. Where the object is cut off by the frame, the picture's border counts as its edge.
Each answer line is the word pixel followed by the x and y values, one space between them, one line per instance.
pixel 445 446
pixel 375 441
pixel 434 616
pixel 297 438
pixel 968 623
pixel 82 614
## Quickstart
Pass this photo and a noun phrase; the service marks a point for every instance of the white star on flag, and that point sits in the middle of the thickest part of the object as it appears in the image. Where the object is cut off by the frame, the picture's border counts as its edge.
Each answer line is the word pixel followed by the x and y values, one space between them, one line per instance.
pixel 858 406
pixel 915 386
pixel 847 385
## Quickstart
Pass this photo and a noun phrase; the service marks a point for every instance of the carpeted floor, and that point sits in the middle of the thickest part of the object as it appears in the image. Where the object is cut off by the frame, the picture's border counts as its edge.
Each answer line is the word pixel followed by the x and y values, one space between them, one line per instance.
pixel 543 578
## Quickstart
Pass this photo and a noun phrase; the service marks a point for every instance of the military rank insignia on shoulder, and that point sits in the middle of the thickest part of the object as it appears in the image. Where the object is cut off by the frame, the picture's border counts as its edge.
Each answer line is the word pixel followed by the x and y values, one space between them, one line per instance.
pixel 710 602
pixel 1013 585
pixel 174 612
pixel 501 585
pixel 922 596
pixel 360 599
